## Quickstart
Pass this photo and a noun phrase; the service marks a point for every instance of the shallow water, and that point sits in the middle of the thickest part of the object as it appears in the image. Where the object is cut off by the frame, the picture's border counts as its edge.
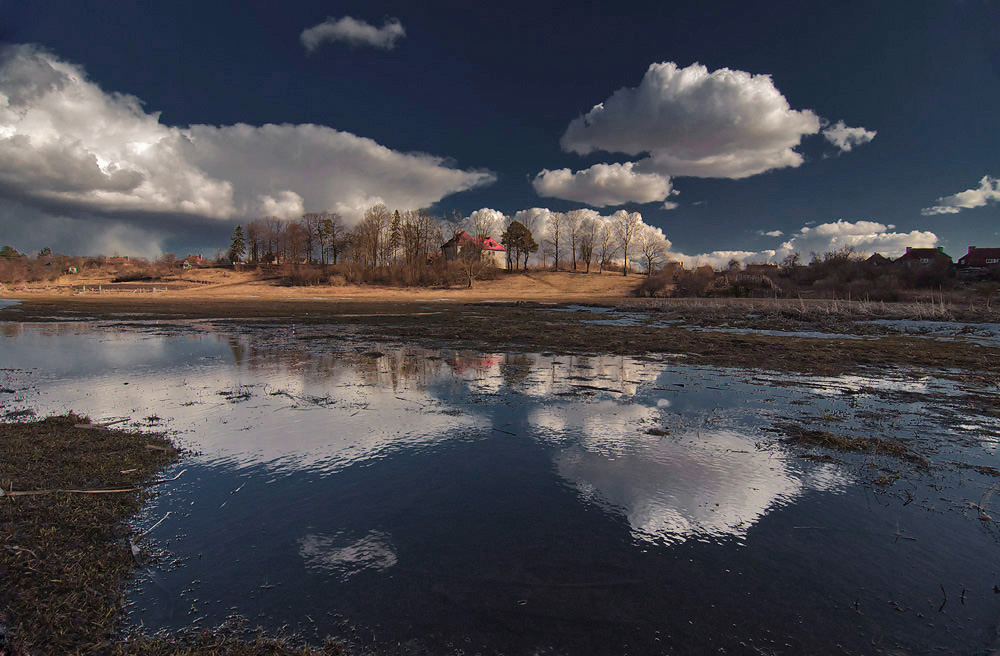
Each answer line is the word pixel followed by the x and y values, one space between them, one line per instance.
pixel 419 500
pixel 980 333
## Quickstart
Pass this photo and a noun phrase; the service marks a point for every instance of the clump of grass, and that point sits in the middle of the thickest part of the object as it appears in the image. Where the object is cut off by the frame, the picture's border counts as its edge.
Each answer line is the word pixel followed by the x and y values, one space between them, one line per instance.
pixel 834 442
pixel 220 642
pixel 65 557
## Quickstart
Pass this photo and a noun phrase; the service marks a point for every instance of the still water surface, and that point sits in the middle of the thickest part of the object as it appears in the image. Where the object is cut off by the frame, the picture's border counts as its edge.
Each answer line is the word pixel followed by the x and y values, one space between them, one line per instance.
pixel 422 500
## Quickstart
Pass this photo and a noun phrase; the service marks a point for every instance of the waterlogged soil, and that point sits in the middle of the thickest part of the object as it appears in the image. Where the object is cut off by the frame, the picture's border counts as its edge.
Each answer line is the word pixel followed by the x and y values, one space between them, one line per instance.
pixel 778 336
pixel 408 491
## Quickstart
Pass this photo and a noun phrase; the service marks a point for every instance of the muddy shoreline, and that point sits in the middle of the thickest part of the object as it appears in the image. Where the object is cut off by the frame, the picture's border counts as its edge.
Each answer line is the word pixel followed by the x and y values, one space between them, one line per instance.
pixel 71 493
pixel 771 338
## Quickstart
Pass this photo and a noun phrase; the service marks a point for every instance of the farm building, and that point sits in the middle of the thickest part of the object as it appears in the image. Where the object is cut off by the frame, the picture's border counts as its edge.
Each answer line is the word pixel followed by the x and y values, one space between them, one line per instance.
pixel 463 244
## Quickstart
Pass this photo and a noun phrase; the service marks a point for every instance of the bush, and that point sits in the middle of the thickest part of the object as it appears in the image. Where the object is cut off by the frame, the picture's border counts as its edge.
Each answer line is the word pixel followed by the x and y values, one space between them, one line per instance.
pixel 659 285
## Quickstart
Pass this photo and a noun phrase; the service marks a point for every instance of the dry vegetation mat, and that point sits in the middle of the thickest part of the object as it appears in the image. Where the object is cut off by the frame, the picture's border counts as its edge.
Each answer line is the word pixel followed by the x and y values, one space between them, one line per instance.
pixel 67 550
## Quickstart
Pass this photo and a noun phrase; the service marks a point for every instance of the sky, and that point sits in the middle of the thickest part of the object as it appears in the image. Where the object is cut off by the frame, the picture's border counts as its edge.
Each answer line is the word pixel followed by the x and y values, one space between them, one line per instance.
pixel 736 128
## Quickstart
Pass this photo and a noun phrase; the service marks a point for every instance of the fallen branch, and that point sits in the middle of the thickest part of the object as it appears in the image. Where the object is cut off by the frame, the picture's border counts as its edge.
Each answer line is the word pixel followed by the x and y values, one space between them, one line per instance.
pixel 28 493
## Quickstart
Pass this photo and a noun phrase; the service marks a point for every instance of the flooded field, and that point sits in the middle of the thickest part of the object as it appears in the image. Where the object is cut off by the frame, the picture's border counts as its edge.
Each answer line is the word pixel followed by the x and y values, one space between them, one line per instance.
pixel 437 500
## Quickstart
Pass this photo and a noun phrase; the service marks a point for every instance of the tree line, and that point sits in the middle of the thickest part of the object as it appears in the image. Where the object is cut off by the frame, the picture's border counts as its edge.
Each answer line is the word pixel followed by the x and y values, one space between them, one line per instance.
pixel 412 240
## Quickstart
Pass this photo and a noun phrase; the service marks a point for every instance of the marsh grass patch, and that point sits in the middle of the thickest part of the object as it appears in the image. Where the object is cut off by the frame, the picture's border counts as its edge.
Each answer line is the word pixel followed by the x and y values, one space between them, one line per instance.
pixel 801 436
pixel 65 556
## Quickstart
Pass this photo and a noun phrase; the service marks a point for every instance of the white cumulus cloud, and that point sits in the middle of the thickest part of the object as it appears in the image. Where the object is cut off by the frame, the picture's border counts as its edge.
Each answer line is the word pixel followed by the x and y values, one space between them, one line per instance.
pixel 69 145
pixel 723 123
pixel 846 138
pixel 865 237
pixel 690 122
pixel 988 191
pixel 354 32
pixel 603 184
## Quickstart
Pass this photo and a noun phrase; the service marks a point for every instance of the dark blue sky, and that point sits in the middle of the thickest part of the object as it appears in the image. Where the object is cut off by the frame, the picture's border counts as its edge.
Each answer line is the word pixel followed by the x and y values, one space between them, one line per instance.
pixel 494 87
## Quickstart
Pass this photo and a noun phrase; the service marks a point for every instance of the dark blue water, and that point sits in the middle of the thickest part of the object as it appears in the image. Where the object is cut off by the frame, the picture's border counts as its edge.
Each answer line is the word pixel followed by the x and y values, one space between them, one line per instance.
pixel 423 501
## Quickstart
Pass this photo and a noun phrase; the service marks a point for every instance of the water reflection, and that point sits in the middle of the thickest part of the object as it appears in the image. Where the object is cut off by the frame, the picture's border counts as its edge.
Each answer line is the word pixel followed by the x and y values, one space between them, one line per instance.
pixel 674 488
pixel 409 488
pixel 297 402
pixel 343 558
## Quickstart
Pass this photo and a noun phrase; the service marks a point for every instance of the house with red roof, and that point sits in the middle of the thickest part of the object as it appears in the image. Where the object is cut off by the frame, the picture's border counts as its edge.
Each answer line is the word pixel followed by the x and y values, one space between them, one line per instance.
pixel 464 244
pixel 979 264
pixel 924 257
pixel 980 257
pixel 877 260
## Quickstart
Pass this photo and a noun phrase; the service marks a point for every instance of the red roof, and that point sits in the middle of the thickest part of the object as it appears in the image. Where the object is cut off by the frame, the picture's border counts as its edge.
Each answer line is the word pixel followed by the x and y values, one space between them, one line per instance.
pixel 980 257
pixel 924 254
pixel 488 243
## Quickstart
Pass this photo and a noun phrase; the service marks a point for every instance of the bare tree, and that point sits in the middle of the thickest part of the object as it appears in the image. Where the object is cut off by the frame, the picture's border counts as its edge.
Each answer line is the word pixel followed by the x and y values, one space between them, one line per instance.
pixel 452 222
pixel 370 233
pixel 332 237
pixel 626 226
pixel 653 248
pixel 588 239
pixel 606 244
pixel 274 237
pixel 313 223
pixel 574 221
pixel 421 235
pixel 554 233
pixel 295 242
pixel 481 224
pixel 255 237
pixel 471 261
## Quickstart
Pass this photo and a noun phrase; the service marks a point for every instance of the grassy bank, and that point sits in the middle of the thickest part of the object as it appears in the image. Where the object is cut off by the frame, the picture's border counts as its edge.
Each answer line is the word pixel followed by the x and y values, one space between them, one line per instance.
pixel 69 490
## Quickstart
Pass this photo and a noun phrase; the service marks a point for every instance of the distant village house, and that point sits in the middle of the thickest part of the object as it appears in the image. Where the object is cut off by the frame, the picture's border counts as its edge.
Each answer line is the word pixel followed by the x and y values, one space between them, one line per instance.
pixel 463 243
pixel 980 257
pixel 924 257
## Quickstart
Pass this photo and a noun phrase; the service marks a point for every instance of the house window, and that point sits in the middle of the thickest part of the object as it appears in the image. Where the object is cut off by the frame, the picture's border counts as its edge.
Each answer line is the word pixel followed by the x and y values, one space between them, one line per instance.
pixel 925 260
pixel 993 260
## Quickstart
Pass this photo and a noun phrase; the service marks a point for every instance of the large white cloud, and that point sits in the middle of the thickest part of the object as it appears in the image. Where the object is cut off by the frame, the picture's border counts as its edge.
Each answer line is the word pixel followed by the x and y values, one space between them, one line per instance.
pixel 988 191
pixel 354 32
pixel 691 113
pixel 67 144
pixel 863 236
pixel 720 124
pixel 603 184
pixel 696 123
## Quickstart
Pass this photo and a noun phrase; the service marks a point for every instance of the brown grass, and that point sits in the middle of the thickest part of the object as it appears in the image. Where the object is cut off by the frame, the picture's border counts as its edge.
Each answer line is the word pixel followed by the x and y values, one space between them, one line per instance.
pixel 65 556
pixel 834 442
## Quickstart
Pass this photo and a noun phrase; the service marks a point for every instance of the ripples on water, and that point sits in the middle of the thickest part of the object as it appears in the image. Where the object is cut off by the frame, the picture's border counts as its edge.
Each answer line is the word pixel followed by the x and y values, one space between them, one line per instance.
pixel 519 502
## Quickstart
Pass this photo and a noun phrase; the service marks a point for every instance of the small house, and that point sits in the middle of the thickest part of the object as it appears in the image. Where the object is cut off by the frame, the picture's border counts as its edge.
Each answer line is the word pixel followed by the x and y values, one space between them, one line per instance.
pixel 463 243
pixel 878 260
pixel 924 257
pixel 980 257
pixel 978 264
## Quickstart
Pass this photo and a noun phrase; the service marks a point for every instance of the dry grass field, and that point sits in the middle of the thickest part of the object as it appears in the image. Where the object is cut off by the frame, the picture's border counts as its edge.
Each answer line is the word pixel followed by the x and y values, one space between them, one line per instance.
pixel 222 284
